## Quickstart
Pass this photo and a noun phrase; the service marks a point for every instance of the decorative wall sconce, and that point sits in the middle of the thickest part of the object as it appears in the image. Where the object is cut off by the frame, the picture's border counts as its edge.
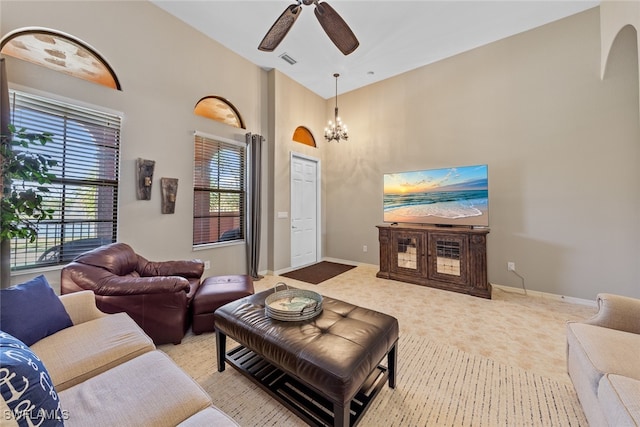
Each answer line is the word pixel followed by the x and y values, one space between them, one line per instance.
pixel 169 187
pixel 144 178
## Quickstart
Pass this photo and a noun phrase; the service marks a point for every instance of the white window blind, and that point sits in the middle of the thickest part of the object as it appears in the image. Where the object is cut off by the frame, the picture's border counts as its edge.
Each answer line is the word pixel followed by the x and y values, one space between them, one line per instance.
pixel 219 191
pixel 84 194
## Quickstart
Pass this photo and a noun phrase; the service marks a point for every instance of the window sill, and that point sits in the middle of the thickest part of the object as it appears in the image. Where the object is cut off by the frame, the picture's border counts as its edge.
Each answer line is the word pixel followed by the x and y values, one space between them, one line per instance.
pixel 35 270
pixel 217 245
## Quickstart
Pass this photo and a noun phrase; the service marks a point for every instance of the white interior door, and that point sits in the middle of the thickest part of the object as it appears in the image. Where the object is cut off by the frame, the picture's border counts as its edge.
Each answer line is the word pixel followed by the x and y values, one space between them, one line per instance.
pixel 304 211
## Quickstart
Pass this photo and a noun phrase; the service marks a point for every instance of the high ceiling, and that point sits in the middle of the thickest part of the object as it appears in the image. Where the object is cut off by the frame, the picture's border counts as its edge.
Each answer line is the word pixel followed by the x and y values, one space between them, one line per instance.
pixel 395 36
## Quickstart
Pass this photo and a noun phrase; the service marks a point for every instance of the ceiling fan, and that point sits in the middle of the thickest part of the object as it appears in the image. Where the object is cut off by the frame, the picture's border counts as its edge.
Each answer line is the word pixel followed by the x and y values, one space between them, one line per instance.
pixel 335 27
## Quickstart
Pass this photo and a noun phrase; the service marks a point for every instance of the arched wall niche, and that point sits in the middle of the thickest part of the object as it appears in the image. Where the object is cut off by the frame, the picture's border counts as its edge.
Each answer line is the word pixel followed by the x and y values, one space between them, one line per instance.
pixel 304 136
pixel 615 15
pixel 60 52
pixel 219 109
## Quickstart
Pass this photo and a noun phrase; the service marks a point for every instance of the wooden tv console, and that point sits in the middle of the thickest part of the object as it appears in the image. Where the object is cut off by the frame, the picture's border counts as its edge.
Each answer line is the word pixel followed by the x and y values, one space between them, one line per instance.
pixel 451 258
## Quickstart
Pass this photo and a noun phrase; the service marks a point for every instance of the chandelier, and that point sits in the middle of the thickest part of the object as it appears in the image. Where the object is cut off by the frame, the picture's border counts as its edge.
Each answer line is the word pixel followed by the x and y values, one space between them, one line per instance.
pixel 336 130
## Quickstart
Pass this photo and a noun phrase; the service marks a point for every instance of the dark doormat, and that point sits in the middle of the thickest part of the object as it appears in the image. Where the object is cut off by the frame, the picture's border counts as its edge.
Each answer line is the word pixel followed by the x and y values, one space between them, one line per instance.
pixel 319 272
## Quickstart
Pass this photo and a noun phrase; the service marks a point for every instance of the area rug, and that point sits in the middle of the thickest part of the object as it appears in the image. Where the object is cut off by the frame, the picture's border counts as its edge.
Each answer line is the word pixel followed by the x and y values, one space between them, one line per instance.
pixel 437 385
pixel 318 273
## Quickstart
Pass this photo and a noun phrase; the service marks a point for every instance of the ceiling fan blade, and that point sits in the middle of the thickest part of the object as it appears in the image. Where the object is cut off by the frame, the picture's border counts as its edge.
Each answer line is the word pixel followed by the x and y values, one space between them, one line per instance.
pixel 280 28
pixel 335 27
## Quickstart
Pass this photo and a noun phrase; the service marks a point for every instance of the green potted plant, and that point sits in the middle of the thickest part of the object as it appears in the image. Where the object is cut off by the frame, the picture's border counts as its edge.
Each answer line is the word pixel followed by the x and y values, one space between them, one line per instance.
pixel 21 208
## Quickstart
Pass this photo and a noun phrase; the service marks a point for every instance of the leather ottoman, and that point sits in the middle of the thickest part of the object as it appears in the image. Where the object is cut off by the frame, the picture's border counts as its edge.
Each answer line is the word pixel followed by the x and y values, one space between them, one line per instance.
pixel 214 292
pixel 326 370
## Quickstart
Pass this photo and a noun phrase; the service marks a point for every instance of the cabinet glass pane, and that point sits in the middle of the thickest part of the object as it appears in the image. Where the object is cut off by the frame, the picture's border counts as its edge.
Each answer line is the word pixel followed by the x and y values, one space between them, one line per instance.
pixel 407 253
pixel 448 257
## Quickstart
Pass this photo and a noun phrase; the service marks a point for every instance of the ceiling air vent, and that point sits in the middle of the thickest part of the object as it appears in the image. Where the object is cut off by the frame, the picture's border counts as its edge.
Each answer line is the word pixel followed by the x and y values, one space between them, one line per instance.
pixel 288 59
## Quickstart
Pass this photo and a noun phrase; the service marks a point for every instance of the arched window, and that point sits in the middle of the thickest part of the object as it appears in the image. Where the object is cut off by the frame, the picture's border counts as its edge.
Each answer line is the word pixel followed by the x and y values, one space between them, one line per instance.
pixel 304 136
pixel 60 52
pixel 219 109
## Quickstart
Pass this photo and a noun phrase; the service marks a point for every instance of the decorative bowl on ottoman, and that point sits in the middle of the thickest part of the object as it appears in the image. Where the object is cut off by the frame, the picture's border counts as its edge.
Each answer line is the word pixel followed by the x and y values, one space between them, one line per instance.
pixel 293 305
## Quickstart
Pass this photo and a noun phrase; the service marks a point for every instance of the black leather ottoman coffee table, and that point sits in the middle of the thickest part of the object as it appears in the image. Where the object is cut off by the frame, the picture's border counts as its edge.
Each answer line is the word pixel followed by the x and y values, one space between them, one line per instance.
pixel 326 370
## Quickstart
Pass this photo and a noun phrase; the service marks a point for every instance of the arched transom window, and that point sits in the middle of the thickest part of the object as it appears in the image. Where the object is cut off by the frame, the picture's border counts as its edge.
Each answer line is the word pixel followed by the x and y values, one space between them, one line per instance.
pixel 304 136
pixel 220 110
pixel 60 52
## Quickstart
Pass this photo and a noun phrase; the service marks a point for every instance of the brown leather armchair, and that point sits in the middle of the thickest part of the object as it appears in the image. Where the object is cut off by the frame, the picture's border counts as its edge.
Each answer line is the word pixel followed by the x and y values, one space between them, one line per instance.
pixel 157 295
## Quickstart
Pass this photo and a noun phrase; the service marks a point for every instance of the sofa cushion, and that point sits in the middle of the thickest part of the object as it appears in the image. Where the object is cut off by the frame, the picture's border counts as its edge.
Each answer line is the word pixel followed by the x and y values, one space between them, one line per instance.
pixel 32 311
pixel 620 399
pixel 607 351
pixel 8 419
pixel 85 350
pixel 150 390
pixel 210 416
pixel 26 387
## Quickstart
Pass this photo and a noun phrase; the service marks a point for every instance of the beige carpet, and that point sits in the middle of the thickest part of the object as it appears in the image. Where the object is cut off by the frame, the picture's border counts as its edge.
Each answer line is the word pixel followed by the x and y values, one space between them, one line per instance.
pixel 462 360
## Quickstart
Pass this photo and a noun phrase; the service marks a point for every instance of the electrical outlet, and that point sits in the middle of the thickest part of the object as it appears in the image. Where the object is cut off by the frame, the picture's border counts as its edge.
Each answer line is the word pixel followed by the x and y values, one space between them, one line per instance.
pixel 207 265
pixel 511 266
pixel 364 248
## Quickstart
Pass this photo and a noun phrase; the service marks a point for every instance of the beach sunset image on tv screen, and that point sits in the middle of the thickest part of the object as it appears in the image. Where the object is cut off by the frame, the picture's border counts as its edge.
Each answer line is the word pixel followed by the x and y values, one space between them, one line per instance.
pixel 450 196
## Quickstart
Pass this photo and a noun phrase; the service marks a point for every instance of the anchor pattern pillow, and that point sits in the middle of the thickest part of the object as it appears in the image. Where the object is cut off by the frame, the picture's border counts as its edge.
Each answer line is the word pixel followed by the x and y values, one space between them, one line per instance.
pixel 26 386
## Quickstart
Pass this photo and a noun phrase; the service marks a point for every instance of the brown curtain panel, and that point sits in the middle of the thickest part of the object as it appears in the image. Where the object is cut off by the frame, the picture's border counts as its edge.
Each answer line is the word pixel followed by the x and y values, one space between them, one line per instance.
pixel 254 147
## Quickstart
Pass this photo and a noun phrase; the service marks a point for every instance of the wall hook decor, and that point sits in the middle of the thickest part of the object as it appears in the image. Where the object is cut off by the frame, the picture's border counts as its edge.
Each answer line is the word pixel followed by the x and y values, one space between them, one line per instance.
pixel 169 187
pixel 144 178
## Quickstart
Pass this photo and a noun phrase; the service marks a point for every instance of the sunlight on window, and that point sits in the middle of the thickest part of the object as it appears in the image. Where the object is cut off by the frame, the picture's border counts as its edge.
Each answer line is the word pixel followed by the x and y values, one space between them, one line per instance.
pixel 60 52
pixel 218 191
pixel 304 136
pixel 220 110
pixel 84 193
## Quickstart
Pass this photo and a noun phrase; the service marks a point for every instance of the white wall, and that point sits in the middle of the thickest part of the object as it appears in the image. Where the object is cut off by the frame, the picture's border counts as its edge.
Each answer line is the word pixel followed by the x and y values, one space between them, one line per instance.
pixel 562 145
pixel 164 67
pixel 614 16
pixel 293 105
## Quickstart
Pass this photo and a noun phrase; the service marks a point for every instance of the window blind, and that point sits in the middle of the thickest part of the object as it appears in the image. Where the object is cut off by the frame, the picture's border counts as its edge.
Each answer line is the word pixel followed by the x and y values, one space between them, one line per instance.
pixel 219 191
pixel 84 193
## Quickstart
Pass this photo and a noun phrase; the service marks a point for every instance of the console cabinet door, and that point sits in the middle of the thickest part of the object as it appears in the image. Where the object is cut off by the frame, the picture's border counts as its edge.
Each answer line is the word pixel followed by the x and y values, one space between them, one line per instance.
pixel 455 259
pixel 448 258
pixel 407 253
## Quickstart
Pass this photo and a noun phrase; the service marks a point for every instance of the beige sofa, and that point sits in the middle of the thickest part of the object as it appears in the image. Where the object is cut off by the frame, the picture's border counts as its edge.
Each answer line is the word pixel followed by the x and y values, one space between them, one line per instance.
pixel 603 361
pixel 107 372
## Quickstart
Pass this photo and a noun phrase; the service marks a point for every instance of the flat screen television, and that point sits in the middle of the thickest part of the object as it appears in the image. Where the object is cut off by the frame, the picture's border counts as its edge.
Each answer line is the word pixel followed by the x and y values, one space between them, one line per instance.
pixel 457 196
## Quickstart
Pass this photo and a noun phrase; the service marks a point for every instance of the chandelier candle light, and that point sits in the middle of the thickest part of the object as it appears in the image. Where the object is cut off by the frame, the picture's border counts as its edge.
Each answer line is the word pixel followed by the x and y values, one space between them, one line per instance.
pixel 336 130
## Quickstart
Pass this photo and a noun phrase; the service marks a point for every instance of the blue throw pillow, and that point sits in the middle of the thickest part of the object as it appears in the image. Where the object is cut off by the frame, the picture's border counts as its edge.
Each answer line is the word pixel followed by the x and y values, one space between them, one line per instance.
pixel 32 311
pixel 26 386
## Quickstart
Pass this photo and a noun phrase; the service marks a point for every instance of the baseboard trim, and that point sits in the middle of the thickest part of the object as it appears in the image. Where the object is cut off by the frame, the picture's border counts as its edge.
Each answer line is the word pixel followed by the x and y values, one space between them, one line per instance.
pixel 343 261
pixel 546 295
pixel 529 292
